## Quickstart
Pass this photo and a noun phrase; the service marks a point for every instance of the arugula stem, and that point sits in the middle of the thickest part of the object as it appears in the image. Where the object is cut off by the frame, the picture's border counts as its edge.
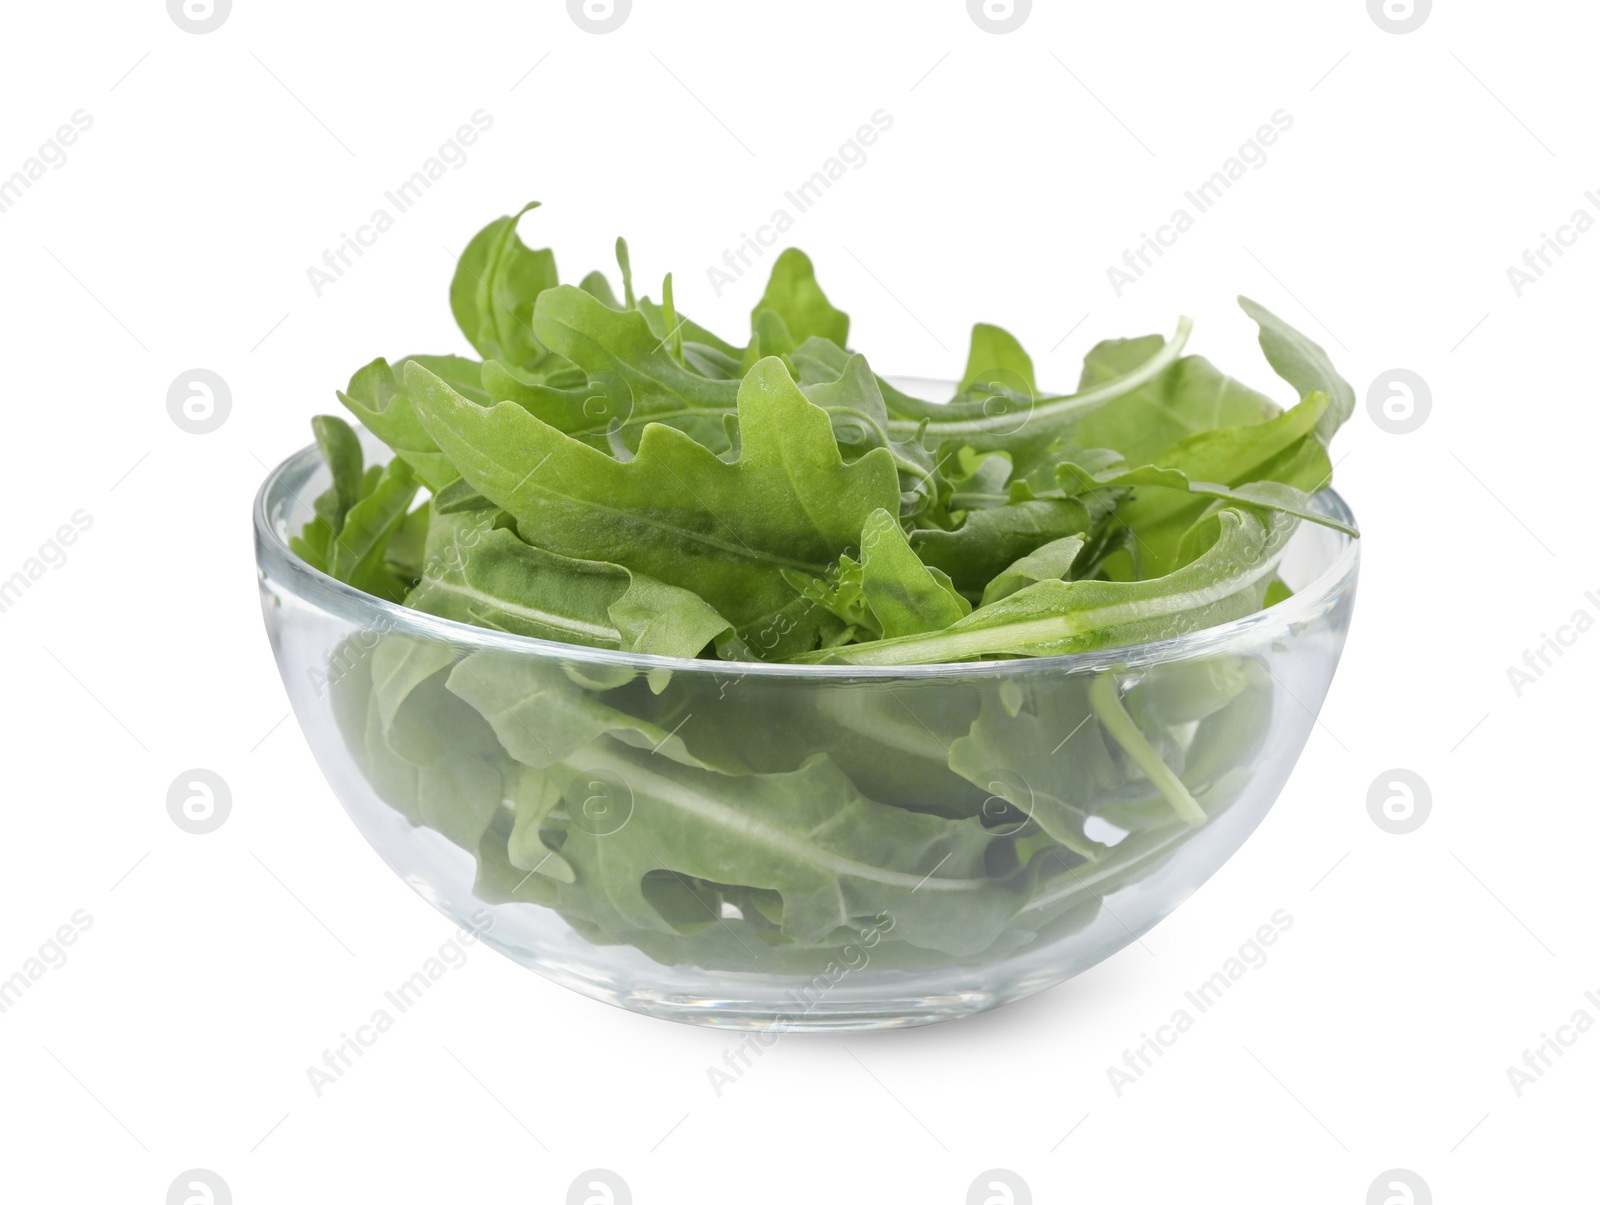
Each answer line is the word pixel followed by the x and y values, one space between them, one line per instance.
pixel 978 499
pixel 1057 407
pixel 1114 718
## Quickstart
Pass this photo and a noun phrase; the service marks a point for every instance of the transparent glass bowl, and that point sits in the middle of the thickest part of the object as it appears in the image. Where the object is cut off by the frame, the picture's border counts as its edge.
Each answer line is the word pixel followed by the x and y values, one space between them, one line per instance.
pixel 868 848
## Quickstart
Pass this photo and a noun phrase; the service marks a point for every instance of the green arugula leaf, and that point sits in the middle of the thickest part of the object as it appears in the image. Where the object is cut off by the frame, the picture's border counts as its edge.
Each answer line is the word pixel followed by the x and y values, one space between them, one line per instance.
pixel 1229 458
pixel 631 371
pixel 597 286
pixel 793 295
pixel 626 265
pixel 1189 397
pixel 458 498
pixel 593 415
pixel 770 336
pixel 541 717
pixel 854 404
pixel 1052 618
pixel 904 595
pixel 431 756
pixel 991 539
pixel 497 281
pixel 375 397
pixel 996 360
pixel 342 451
pixel 1050 769
pixel 356 554
pixel 1029 423
pixel 830 853
pixel 1076 478
pixel 482 575
pixel 1304 365
pixel 1049 562
pixel 535 796
pixel 675 511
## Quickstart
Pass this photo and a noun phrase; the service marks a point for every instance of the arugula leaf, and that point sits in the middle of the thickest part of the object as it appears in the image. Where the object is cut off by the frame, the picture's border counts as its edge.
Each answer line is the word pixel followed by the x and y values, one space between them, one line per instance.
pixel 770 336
pixel 372 520
pixel 1075 478
pixel 1185 399
pixel 1304 365
pixel 991 539
pixel 1114 718
pixel 405 551
pixel 630 368
pixel 854 404
pixel 626 266
pixel 594 415
pixel 342 450
pixel 1054 617
pixel 597 286
pixel 983 426
pixel 904 595
pixel 375 397
pixel 705 352
pixel 830 853
pixel 479 574
pixel 793 295
pixel 541 717
pixel 996 360
pixel 458 498
pixel 1229 457
pixel 427 754
pixel 1048 562
pixel 675 511
pixel 1049 769
pixel 497 281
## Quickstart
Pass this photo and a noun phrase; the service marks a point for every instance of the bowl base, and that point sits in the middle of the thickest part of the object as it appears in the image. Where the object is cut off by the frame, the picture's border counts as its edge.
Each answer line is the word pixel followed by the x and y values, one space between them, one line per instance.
pixel 767 1005
pixel 824 1017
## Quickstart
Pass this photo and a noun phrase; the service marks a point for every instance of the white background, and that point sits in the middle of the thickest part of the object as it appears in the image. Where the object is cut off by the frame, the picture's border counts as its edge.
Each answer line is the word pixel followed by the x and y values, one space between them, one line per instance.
pixel 178 234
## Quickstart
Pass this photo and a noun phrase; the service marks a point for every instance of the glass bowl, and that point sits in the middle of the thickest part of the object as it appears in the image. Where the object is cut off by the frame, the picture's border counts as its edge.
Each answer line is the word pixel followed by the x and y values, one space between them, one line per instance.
pixel 797 847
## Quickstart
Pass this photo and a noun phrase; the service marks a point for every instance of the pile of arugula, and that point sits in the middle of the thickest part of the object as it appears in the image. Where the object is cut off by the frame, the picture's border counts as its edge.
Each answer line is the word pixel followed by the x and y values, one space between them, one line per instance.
pixel 611 474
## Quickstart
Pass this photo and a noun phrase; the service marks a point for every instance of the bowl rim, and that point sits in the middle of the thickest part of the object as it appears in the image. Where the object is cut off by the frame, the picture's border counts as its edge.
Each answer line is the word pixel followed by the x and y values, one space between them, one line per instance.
pixel 275 559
